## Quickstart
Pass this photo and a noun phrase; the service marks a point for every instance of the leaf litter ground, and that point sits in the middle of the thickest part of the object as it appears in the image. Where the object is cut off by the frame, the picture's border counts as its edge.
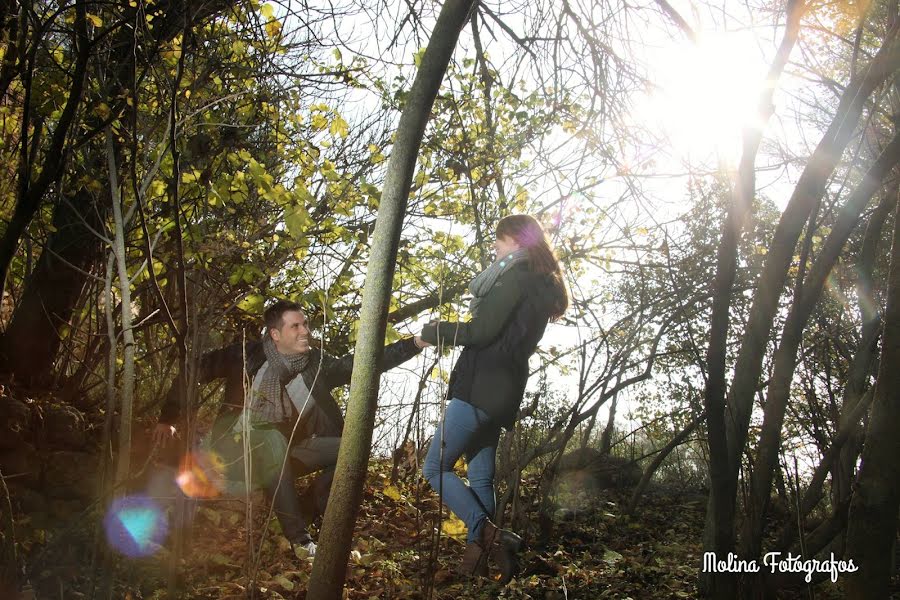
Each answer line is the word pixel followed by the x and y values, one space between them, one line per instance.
pixel 592 550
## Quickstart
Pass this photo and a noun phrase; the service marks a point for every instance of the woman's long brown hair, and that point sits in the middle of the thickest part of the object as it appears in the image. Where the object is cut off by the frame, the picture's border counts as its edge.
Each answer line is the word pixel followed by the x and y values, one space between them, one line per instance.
pixel 528 233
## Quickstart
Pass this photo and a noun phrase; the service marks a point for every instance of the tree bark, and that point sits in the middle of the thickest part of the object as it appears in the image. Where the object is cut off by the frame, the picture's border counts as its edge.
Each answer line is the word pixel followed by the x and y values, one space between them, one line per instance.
pixel 718 535
pixel 785 359
pixel 864 360
pixel 31 341
pixel 809 189
pixel 30 196
pixel 872 527
pixel 330 566
pixel 123 464
pixel 606 437
pixel 45 304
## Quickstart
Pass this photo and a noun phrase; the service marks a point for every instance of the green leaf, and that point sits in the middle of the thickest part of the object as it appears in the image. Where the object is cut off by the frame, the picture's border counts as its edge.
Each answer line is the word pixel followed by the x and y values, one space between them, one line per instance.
pixel 611 557
pixel 297 221
pixel 253 303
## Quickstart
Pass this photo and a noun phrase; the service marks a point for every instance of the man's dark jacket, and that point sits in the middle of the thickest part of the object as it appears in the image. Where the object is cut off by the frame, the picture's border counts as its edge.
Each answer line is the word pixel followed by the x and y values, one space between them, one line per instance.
pixel 322 374
pixel 492 369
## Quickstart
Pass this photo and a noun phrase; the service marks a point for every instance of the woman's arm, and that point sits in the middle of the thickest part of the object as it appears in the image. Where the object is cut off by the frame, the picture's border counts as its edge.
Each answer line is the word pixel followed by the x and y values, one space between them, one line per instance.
pixel 337 371
pixel 493 313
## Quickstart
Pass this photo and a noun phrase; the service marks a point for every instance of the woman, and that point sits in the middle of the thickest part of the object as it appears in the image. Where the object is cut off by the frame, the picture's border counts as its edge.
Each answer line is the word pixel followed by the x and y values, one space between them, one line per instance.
pixel 513 300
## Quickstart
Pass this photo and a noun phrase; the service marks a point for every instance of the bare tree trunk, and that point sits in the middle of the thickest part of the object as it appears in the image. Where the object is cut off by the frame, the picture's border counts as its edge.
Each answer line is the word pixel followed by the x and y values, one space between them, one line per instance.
pixel 123 464
pixel 872 527
pixel 813 492
pixel 785 360
pixel 863 361
pixel 606 438
pixel 809 189
pixel 330 566
pixel 719 531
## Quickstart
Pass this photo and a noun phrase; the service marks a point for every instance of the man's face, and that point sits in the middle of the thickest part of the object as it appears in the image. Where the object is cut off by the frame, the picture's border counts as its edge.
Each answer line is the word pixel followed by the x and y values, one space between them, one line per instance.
pixel 293 336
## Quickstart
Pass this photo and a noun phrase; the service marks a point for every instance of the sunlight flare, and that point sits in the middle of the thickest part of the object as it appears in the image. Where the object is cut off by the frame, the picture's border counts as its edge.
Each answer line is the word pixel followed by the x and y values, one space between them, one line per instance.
pixel 704 95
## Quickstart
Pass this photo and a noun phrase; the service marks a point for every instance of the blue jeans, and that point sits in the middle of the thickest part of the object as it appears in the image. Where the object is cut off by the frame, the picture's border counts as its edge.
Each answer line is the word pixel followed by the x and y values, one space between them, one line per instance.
pixel 465 430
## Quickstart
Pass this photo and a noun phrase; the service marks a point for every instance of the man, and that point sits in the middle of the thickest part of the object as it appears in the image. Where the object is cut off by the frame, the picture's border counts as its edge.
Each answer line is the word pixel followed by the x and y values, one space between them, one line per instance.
pixel 290 409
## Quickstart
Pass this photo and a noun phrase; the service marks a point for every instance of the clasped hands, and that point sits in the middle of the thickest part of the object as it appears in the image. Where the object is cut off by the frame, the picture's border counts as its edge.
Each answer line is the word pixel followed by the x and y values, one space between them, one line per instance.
pixel 420 343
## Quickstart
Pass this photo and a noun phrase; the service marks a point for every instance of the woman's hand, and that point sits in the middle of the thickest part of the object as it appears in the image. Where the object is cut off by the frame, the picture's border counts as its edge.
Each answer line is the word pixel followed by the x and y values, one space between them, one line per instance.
pixel 420 343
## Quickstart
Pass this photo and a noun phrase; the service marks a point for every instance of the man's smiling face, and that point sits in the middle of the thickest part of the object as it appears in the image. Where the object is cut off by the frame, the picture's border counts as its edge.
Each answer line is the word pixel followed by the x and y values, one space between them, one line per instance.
pixel 293 335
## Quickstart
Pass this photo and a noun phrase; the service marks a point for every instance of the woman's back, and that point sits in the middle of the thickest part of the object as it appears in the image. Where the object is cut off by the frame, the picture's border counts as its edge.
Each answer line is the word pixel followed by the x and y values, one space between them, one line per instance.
pixel 492 375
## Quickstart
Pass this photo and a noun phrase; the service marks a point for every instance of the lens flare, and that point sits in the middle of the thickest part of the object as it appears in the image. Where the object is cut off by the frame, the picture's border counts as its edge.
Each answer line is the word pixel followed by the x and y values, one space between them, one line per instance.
pixel 833 286
pixel 201 474
pixel 135 526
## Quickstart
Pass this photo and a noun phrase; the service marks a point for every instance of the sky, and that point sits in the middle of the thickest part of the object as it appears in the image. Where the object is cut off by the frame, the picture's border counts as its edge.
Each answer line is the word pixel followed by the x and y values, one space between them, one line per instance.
pixel 699 98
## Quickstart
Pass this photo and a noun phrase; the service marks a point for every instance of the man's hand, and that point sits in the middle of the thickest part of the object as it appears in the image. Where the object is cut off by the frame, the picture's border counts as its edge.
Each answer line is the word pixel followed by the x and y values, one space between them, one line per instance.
pixel 420 342
pixel 163 433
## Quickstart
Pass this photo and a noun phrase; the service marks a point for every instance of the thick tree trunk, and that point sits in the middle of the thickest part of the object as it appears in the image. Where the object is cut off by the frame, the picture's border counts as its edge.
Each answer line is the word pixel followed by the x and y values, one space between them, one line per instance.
pixel 872 529
pixel 41 289
pixel 785 360
pixel 30 343
pixel 809 189
pixel 718 534
pixel 863 361
pixel 30 196
pixel 719 530
pixel 330 566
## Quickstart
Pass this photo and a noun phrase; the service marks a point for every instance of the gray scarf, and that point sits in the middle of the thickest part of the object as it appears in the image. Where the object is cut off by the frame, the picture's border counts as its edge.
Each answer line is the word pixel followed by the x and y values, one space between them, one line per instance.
pixel 282 369
pixel 484 281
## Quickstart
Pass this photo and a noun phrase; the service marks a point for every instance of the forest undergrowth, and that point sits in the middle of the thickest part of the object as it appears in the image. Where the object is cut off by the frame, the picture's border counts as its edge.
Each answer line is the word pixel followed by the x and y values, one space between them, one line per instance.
pixel 591 549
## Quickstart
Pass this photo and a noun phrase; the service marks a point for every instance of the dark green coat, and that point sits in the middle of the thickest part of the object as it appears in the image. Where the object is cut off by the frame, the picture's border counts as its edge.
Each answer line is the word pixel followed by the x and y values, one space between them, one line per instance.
pixel 492 369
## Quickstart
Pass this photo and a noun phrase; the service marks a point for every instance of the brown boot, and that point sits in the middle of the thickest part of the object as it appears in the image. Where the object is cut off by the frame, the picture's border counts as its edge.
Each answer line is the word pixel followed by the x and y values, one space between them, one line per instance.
pixel 474 561
pixel 504 546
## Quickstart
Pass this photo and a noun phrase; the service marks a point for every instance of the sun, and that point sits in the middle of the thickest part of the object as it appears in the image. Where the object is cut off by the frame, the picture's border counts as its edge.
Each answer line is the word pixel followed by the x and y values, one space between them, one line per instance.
pixel 704 95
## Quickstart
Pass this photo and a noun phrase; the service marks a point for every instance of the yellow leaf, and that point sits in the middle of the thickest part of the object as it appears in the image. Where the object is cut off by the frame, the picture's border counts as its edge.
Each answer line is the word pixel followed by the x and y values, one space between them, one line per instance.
pixel 273 28
pixel 102 110
pixel 339 127
pixel 157 188
pixel 97 21
pixel 267 11
pixel 454 527
pixel 391 492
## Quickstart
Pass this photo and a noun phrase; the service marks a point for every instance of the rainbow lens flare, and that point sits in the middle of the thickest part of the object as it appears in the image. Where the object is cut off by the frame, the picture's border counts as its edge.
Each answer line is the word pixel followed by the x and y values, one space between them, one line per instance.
pixel 135 526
